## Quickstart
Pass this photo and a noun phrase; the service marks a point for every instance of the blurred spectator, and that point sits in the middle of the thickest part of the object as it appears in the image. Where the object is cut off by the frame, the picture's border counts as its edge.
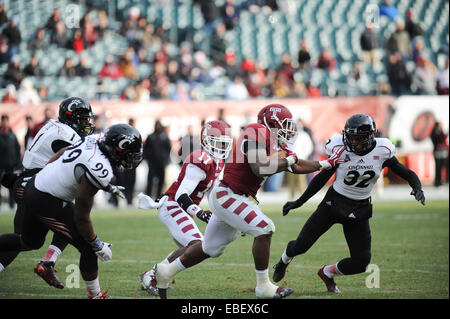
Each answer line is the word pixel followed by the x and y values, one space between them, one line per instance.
pixel 230 14
pixel 11 94
pixel 280 87
pixel 14 74
pixel 210 13
pixel 102 92
pixel 3 16
pixel 82 68
pixel 30 124
pixel 358 80
pixel 399 41
pixel 298 90
pixel 398 75
pixel 440 152
pixel 33 68
pixel 42 92
pixel 256 82
pixel 38 42
pixel 424 77
pixel 127 68
pixel 187 144
pixel 143 91
pixel 389 10
pixel 231 67
pixel 48 114
pixel 12 34
pixel 304 57
pixel 103 23
pixel 412 27
pixel 60 37
pixel 78 44
pixel 53 21
pixel 181 93
pixel 5 51
pixel 90 34
pixel 130 26
pixel 141 56
pixel 266 6
pixel 110 69
pixel 129 93
pixel 312 91
pixel 157 148
pixel 286 70
pixel 216 71
pixel 442 80
pixel 370 44
pixel 236 90
pixel 148 38
pixel 419 50
pixel 27 94
pixel 68 69
pixel 173 72
pixel 217 45
pixel 10 150
pixel 326 61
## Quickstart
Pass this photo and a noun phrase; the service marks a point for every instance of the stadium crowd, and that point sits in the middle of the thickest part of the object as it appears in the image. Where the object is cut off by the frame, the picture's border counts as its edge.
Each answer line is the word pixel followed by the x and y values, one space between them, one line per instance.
pixel 179 69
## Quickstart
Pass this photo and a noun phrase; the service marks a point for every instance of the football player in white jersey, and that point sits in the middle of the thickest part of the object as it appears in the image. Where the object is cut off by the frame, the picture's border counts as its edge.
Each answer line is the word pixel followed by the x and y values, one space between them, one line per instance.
pixel 60 197
pixel 348 200
pixel 74 122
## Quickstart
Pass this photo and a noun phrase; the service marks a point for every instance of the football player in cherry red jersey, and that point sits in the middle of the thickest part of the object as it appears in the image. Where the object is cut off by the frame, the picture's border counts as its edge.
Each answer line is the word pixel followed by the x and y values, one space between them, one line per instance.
pixel 348 200
pixel 180 203
pixel 233 200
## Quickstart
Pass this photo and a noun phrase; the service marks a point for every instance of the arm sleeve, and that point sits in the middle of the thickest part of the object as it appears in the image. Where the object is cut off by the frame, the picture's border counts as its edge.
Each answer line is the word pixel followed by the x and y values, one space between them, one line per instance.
pixel 403 172
pixel 316 184
pixel 193 176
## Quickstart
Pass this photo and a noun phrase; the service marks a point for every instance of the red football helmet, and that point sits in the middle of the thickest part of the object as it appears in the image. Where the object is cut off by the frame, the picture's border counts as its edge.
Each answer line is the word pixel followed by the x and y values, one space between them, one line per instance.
pixel 216 139
pixel 277 116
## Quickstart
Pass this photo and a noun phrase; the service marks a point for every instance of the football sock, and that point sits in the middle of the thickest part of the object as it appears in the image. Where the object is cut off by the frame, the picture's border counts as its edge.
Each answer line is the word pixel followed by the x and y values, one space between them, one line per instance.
pixel 1 267
pixel 285 258
pixel 331 270
pixel 92 287
pixel 263 282
pixel 52 254
pixel 174 267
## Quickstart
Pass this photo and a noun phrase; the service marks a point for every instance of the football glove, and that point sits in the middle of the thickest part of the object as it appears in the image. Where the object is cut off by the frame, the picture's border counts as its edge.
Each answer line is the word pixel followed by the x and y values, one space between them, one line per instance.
pixel 116 190
pixel 291 157
pixel 334 159
pixel 101 249
pixel 418 195
pixel 146 202
pixel 204 215
pixel 291 205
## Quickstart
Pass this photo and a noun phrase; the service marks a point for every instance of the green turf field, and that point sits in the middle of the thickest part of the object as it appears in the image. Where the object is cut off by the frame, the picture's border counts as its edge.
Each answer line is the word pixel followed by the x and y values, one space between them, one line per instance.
pixel 409 246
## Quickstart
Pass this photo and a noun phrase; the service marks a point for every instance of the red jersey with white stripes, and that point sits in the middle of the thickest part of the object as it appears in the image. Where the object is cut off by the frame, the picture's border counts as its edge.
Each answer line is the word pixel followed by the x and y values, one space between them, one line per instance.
pixel 238 174
pixel 205 162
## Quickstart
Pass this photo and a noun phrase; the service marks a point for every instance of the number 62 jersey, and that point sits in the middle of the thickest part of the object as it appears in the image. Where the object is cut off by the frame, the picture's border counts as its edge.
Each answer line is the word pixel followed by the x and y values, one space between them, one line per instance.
pixel 356 178
pixel 61 177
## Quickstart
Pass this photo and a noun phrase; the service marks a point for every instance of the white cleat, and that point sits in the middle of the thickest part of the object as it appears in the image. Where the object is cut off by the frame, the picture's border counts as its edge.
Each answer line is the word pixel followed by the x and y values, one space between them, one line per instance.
pixel 270 293
pixel 148 282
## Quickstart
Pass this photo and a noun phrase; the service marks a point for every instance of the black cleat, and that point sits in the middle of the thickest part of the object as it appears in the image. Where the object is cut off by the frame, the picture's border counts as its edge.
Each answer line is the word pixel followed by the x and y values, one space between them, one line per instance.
pixel 329 282
pixel 46 270
pixel 279 270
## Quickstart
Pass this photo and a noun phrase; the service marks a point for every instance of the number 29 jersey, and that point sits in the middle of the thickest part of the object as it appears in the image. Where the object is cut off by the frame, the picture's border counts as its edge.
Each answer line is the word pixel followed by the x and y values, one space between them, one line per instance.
pixel 355 179
pixel 62 177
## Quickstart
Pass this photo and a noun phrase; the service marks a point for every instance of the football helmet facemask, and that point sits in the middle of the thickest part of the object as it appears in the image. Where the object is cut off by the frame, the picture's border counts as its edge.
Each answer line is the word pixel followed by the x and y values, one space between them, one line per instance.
pixel 122 145
pixel 77 113
pixel 359 134
pixel 278 117
pixel 216 139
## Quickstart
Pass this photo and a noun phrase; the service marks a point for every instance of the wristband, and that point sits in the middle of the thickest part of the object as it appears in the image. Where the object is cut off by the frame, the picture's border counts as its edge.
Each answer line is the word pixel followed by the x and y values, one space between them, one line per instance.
pixel 96 244
pixel 193 210
pixel 324 164
pixel 291 160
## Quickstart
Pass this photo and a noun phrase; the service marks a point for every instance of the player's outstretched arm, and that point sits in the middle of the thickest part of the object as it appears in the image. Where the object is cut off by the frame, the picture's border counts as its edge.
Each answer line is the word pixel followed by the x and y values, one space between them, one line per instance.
pixel 408 175
pixel 314 186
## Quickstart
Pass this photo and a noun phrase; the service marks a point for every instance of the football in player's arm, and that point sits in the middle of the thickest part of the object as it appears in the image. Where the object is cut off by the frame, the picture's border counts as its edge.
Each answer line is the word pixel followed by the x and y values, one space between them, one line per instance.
pixel 348 200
